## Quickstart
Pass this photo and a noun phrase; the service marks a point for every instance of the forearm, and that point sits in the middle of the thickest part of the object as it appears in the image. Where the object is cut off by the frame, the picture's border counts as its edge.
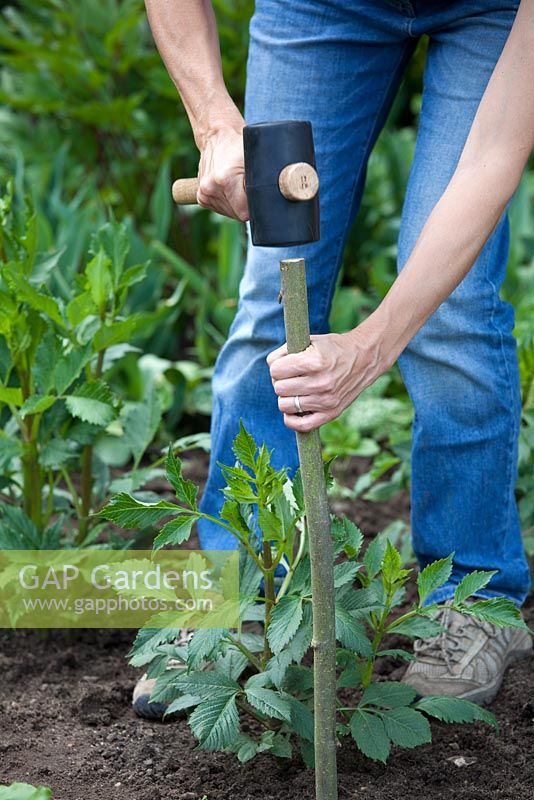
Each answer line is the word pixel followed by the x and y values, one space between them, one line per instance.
pixel 185 32
pixel 450 242
pixel 489 170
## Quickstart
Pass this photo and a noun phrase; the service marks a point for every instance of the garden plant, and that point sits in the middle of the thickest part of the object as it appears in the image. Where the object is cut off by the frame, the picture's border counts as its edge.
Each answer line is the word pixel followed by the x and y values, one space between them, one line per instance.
pixel 264 676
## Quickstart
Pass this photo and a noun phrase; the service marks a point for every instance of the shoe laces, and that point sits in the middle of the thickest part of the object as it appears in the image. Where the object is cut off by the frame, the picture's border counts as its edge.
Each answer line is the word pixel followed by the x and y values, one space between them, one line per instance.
pixel 452 643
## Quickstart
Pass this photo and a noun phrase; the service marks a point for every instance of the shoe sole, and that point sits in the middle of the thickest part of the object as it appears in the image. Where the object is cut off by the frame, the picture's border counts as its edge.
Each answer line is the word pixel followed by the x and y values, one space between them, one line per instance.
pixel 487 694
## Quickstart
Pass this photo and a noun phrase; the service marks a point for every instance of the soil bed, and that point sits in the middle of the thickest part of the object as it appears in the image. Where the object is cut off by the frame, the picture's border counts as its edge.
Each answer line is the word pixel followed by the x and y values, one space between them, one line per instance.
pixel 66 722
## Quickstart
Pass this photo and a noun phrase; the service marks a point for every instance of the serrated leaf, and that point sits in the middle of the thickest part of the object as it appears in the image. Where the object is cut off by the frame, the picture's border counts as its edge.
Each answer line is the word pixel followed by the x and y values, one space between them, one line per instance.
pixel 396 653
pixel 497 611
pixel 434 576
pixel 270 525
pixel 175 531
pixel 301 718
pixel 369 733
pixel 391 564
pixel 345 573
pixel 181 703
pixel 388 694
pixel 406 727
pixel 351 633
pixel 92 402
pixel 374 555
pixel 269 703
pixel 244 447
pixel 186 490
pixel 417 628
pixel 206 684
pixel 36 404
pixel 472 583
pixel 286 617
pixel 126 511
pixel 231 512
pixel 215 722
pixel 454 709
pixel 347 536
pixel 202 645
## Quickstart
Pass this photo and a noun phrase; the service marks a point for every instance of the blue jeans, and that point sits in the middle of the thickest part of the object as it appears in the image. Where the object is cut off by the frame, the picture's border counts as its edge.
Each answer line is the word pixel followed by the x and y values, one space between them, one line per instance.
pixel 339 64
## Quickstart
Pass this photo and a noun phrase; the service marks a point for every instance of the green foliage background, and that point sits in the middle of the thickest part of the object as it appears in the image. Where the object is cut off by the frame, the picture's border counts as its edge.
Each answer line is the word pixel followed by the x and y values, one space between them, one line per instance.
pixel 91 126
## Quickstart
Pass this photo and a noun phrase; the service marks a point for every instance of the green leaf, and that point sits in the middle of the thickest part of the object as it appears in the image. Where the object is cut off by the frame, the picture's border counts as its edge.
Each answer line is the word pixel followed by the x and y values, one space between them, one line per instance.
pixel 270 525
pixel 204 643
pixel 388 694
pixel 345 573
pixel 244 447
pixel 98 273
pixel 23 791
pixel 175 531
pixel 351 633
pixel 285 620
pixel 115 332
pixel 181 703
pixel 269 702
pixel 391 564
pixel 433 576
pixel 396 653
pixel 453 709
pixel 126 511
pixel 92 402
pixel 301 718
pixel 406 727
pixel 247 750
pixel 472 583
pixel 140 423
pixel 11 395
pixel 417 628
pixel 37 404
pixel 347 536
pixel 231 512
pixel 206 684
pixel 498 611
pixel 37 300
pixel 186 491
pixel 369 733
pixel 215 722
pixel 161 202
pixel 374 555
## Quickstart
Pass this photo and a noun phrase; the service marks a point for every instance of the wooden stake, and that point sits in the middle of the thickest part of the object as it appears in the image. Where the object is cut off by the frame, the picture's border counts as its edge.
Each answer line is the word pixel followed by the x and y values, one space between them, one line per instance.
pixel 295 299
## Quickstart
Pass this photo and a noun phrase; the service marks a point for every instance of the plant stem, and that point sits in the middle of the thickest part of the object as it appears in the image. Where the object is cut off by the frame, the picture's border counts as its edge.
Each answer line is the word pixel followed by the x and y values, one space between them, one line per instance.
pixel 297 324
pixel 270 597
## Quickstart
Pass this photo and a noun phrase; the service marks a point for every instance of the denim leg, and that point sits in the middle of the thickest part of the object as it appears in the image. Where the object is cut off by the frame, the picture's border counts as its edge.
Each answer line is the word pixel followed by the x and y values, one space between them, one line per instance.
pixel 339 65
pixel 461 368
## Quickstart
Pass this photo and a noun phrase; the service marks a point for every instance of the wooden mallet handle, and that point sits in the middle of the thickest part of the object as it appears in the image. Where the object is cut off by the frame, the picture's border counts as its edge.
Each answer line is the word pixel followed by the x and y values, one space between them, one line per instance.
pixel 297 182
pixel 184 191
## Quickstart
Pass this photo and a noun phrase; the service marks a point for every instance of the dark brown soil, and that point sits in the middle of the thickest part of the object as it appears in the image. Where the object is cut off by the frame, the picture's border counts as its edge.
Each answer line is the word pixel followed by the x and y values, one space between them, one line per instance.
pixel 65 722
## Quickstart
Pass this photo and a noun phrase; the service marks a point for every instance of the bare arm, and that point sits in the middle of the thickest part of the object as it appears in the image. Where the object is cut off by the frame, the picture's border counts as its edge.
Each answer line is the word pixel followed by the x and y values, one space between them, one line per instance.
pixel 185 32
pixel 488 173
pixel 336 368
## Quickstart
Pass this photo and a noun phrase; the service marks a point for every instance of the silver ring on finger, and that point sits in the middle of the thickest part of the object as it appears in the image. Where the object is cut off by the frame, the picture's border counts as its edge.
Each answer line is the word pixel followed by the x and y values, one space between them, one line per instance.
pixel 298 406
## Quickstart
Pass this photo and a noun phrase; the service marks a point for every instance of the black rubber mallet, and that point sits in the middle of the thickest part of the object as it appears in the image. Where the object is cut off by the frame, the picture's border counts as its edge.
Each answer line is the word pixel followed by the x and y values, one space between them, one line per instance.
pixel 280 181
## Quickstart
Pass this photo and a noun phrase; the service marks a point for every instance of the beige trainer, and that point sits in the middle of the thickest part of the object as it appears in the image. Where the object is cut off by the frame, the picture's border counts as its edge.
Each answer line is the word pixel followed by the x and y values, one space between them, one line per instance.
pixel 141 703
pixel 467 660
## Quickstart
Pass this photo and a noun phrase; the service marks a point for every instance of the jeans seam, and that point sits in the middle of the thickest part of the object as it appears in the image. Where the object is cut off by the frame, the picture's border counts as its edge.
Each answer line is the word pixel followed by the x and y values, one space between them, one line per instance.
pixel 340 245
pixel 510 396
